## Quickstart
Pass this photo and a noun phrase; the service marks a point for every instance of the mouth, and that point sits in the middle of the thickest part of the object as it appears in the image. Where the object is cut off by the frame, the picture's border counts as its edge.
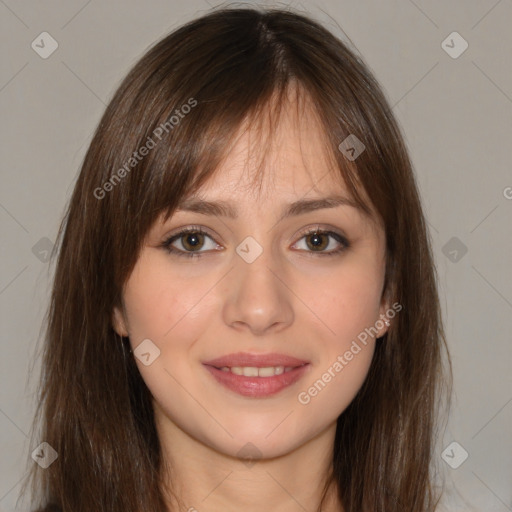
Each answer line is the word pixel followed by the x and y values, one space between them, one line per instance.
pixel 257 375
pixel 254 371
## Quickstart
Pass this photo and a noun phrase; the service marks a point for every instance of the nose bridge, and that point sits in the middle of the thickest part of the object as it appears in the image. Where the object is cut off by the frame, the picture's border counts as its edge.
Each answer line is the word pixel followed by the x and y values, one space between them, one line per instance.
pixel 256 268
pixel 256 296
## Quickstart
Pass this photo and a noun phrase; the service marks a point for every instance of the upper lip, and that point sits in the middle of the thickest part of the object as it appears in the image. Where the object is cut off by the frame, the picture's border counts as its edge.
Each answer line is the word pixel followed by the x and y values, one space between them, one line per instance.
pixel 246 359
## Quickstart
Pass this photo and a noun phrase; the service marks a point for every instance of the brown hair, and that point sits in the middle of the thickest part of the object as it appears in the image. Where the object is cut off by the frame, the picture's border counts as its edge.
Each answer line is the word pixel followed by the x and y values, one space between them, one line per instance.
pixel 94 407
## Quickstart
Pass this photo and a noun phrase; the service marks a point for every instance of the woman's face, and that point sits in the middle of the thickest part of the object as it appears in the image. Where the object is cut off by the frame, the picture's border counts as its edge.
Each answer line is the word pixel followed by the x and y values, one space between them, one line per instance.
pixel 263 289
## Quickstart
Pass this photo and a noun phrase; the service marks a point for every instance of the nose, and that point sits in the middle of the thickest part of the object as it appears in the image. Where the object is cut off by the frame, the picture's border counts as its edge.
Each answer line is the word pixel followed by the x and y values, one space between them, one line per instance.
pixel 257 297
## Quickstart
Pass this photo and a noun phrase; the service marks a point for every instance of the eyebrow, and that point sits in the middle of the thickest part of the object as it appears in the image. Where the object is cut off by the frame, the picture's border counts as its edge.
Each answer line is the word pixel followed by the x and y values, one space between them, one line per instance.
pixel 300 207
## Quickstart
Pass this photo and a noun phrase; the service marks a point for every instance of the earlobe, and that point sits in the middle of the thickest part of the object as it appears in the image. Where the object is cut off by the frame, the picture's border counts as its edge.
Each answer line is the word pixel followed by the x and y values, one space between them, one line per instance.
pixel 119 323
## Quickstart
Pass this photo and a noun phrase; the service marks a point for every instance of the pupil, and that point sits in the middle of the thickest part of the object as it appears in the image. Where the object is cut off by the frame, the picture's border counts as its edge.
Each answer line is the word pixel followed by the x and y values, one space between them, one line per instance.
pixel 316 240
pixel 192 240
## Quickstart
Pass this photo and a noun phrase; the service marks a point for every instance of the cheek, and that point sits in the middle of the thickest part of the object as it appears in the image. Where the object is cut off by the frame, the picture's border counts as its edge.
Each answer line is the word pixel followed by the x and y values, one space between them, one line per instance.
pixel 173 311
pixel 350 308
pixel 347 301
pixel 334 386
pixel 165 307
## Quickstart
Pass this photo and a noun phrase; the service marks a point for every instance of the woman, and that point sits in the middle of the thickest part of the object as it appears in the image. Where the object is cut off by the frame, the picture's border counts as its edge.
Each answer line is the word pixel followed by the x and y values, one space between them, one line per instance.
pixel 244 313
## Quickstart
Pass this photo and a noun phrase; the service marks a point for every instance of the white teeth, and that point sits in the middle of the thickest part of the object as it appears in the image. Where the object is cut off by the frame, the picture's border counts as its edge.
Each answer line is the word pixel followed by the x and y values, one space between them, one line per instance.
pixel 269 371
pixel 252 371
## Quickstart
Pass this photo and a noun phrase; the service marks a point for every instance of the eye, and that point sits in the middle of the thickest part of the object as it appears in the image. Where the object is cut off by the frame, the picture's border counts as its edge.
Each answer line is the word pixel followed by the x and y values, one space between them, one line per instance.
pixel 317 240
pixel 192 239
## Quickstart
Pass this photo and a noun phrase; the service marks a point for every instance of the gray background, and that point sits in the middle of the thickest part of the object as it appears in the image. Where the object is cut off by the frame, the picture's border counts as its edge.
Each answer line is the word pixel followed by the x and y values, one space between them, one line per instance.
pixel 457 117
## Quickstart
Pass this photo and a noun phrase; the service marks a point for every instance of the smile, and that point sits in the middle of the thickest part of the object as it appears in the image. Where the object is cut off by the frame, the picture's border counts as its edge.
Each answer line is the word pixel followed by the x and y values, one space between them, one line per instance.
pixel 253 371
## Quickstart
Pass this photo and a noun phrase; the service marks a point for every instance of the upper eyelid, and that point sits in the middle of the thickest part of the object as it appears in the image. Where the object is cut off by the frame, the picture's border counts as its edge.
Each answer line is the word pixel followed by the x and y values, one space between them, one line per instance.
pixel 196 227
pixel 168 240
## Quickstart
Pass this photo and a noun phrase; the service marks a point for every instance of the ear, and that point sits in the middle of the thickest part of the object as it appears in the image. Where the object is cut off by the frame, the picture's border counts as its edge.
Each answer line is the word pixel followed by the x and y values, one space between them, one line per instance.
pixel 384 320
pixel 119 322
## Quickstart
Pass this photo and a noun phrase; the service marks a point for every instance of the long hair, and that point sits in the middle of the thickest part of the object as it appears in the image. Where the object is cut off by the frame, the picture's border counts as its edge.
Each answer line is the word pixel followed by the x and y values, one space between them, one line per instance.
pixel 184 101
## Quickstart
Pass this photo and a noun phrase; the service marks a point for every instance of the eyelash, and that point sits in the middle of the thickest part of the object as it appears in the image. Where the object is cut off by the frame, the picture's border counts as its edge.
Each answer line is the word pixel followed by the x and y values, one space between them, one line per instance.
pixel 197 229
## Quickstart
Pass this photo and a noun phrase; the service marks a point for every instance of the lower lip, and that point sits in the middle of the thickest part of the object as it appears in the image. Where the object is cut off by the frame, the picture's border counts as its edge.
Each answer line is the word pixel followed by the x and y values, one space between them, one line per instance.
pixel 257 387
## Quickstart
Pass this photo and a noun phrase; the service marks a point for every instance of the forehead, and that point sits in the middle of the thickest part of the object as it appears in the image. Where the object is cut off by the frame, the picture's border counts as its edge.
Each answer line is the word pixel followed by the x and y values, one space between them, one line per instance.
pixel 278 157
pixel 284 151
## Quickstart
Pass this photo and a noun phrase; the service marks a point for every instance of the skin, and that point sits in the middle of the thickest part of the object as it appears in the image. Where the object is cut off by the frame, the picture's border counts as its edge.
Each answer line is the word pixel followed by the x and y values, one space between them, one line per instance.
pixel 290 300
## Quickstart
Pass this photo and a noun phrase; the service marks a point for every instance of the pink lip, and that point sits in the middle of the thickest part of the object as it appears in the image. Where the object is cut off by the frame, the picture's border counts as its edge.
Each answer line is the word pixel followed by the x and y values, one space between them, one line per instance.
pixel 255 360
pixel 257 386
